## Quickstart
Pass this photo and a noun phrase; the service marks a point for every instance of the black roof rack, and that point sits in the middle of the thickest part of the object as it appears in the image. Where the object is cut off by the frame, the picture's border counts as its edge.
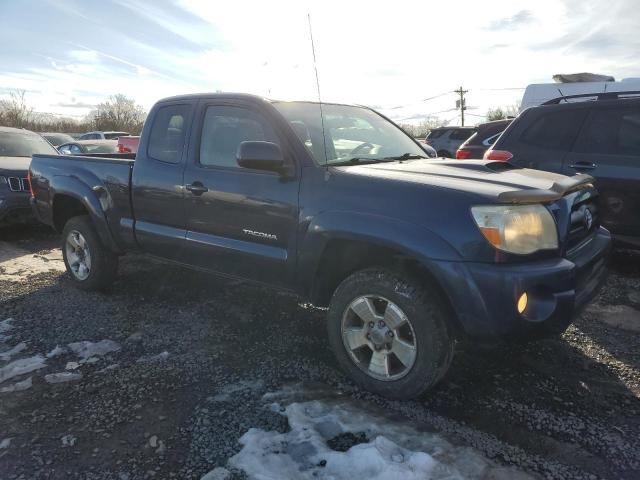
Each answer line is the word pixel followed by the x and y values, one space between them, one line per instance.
pixel 598 96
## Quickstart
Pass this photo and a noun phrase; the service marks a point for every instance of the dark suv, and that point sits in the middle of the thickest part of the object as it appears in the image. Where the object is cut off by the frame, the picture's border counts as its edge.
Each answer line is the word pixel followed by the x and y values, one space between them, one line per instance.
pixel 485 136
pixel 602 138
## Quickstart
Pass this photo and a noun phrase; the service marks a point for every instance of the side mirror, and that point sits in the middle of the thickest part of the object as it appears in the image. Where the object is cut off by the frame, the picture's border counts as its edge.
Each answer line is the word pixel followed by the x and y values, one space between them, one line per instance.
pixel 260 156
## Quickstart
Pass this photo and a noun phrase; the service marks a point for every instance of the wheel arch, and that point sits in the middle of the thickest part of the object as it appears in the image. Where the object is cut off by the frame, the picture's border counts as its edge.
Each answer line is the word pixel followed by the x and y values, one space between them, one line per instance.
pixel 70 198
pixel 332 254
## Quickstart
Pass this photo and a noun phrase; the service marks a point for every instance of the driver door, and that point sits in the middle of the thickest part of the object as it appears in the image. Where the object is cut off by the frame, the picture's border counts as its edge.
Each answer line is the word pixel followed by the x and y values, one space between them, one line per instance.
pixel 240 222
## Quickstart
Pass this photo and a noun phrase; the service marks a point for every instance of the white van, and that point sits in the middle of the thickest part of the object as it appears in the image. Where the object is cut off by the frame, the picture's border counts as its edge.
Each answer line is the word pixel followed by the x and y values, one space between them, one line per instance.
pixel 537 94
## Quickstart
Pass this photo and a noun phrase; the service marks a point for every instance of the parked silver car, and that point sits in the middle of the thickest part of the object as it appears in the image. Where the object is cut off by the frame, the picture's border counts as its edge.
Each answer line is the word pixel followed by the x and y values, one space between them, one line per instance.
pixel 447 140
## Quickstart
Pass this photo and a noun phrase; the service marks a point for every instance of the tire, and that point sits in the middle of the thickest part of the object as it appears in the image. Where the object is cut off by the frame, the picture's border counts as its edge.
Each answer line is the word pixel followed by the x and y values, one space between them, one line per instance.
pixel 424 311
pixel 80 239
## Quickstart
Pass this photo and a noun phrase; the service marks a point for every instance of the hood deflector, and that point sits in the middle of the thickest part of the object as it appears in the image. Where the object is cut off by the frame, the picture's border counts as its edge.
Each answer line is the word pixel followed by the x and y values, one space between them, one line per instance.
pixel 558 190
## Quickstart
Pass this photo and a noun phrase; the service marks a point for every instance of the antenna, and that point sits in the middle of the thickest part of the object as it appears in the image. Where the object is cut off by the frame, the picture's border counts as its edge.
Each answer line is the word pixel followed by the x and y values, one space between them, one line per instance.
pixel 315 67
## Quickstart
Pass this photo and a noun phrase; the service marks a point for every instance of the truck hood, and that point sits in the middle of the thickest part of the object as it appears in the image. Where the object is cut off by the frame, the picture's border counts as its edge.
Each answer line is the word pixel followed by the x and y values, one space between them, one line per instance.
pixel 15 164
pixel 499 181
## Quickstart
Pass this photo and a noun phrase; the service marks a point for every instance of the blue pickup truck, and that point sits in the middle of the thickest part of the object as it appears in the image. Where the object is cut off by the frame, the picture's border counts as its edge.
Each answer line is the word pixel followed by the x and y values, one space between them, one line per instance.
pixel 335 202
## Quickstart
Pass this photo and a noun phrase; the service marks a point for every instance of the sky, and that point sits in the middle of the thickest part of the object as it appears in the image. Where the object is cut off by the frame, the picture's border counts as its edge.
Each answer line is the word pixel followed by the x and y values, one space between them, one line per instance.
pixel 69 55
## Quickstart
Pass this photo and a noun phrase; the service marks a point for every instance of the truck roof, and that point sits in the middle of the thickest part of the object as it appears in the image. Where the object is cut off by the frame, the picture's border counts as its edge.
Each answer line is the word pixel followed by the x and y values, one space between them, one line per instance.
pixel 244 96
pixel 17 130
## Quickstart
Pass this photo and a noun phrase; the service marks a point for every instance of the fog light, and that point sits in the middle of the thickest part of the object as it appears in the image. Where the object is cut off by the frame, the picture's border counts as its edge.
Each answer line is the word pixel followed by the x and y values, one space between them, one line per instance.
pixel 522 302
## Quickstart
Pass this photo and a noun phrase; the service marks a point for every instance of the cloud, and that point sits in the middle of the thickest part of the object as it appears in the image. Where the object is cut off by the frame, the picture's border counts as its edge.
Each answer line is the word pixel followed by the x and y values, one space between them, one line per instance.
pixel 382 53
pixel 520 19
pixel 83 105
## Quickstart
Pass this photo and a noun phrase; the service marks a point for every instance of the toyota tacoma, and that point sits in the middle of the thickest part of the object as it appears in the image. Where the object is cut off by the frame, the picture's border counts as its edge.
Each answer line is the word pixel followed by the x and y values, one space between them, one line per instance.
pixel 335 202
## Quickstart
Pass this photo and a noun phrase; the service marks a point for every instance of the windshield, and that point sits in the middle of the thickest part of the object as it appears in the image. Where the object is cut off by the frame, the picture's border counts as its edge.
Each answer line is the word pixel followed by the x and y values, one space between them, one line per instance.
pixel 350 133
pixel 18 144
pixel 57 139
pixel 115 135
pixel 111 147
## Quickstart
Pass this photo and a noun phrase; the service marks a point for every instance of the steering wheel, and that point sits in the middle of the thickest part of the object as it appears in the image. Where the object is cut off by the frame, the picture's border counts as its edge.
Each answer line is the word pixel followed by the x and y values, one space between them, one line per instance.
pixel 362 146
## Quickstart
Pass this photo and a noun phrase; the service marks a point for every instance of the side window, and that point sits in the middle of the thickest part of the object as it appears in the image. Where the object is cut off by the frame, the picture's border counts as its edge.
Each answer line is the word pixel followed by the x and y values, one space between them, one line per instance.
pixel 75 149
pixel 554 130
pixel 166 140
pixel 224 128
pixel 614 131
pixel 433 134
pixel 461 134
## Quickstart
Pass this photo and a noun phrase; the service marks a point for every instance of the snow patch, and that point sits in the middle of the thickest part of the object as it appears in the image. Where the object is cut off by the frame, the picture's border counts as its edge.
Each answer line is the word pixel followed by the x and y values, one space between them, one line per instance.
pixel 5 325
pixel 227 393
pixel 5 443
pixel 154 358
pixel 21 366
pixel 6 356
pixel 85 350
pixel 62 377
pixel 395 450
pixel 18 386
pixel 217 473
pixel 57 351
pixel 68 440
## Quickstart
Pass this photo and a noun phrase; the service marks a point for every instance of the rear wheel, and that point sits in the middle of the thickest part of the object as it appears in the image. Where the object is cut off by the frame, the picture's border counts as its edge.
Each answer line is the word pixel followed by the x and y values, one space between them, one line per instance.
pixel 90 265
pixel 389 333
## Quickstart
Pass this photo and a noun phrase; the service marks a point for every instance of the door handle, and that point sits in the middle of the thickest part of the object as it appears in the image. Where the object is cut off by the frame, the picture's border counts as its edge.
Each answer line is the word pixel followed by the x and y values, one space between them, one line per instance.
pixel 583 166
pixel 196 188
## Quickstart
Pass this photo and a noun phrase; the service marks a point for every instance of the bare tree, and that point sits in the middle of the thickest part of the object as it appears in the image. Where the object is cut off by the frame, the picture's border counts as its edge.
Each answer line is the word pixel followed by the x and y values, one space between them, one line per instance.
pixel 118 112
pixel 424 127
pixel 14 111
pixel 502 113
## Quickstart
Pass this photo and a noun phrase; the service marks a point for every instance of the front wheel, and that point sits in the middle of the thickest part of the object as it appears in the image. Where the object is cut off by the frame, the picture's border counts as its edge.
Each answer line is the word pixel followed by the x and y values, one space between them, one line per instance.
pixel 89 263
pixel 389 333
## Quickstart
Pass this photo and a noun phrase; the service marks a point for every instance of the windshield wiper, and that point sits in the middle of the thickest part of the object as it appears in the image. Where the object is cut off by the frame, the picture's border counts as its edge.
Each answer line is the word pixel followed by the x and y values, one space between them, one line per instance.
pixel 406 156
pixel 360 161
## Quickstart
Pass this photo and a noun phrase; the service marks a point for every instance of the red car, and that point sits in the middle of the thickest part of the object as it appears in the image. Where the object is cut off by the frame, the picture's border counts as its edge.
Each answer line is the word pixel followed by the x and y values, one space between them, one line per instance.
pixel 478 143
pixel 128 144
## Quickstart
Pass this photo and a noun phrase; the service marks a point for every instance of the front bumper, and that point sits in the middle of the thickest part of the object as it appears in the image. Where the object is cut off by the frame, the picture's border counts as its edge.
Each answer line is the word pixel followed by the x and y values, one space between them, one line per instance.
pixel 15 208
pixel 484 296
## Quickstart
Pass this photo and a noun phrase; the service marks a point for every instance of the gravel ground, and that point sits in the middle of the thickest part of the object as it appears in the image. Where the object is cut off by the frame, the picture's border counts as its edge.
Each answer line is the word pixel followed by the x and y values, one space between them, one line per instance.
pixel 188 359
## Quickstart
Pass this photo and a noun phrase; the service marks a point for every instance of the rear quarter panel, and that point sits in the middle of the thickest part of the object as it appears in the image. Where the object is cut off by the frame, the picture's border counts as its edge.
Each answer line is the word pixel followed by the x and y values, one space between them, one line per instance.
pixel 101 185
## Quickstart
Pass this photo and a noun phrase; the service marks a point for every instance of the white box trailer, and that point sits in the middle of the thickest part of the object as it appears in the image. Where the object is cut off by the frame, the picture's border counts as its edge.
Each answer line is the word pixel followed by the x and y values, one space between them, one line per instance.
pixel 537 94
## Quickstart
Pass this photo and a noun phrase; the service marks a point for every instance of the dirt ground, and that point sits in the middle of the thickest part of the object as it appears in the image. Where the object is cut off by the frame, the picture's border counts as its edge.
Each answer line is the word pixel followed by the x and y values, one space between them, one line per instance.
pixel 164 377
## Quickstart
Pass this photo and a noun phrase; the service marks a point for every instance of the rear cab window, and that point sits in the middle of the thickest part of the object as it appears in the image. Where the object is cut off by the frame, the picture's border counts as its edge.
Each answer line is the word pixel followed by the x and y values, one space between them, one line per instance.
pixel 166 140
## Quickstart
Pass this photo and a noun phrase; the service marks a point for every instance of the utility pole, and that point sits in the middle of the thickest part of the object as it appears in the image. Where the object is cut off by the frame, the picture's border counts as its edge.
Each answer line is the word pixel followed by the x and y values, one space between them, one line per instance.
pixel 461 103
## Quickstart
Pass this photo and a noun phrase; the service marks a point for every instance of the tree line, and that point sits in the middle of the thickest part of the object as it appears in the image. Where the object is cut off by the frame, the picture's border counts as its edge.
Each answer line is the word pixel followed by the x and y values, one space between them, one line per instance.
pixel 117 112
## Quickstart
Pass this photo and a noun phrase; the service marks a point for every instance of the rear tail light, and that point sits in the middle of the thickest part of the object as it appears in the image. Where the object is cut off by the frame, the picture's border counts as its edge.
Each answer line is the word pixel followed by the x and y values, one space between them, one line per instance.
pixel 123 149
pixel 498 155
pixel 463 154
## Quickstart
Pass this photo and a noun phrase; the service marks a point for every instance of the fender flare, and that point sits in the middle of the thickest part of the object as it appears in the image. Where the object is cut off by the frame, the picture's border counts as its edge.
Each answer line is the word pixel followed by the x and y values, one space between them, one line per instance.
pixel 413 240
pixel 96 201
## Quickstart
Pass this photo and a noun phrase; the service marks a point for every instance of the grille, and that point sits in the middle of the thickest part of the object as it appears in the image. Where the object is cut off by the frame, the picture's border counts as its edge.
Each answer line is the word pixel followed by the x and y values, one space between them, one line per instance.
pixel 18 184
pixel 584 221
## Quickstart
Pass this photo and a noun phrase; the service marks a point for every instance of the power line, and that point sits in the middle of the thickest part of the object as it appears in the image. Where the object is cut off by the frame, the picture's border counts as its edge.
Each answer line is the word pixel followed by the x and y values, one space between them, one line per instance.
pixel 423 100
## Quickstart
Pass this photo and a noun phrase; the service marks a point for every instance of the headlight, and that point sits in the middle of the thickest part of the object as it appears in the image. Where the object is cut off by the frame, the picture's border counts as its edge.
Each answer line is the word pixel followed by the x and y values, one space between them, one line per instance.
pixel 518 229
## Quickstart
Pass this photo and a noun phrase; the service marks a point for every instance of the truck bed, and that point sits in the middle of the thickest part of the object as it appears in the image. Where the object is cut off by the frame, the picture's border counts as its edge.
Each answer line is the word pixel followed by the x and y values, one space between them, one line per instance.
pixel 71 174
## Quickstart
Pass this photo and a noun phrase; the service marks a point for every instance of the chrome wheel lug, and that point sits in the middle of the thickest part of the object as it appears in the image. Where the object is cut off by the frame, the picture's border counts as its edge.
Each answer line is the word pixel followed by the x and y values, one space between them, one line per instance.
pixel 390 334
pixel 371 325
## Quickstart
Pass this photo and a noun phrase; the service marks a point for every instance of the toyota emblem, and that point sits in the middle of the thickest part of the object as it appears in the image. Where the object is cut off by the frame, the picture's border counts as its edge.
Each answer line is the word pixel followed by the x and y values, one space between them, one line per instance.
pixel 588 219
